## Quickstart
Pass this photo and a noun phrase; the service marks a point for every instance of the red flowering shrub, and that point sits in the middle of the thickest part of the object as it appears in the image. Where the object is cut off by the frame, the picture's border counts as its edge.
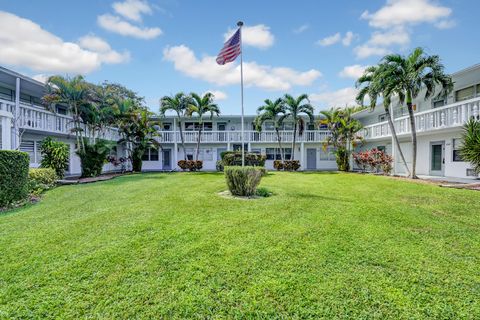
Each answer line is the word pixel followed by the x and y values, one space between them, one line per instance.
pixel 374 159
pixel 190 165
pixel 287 165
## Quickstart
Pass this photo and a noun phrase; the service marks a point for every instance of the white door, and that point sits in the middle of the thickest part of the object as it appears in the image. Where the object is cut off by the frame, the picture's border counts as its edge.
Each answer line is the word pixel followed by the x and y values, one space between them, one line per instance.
pixel 437 158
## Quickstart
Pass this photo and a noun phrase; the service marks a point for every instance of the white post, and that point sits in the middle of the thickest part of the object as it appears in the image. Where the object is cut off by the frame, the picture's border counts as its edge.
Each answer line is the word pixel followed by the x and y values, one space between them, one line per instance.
pixel 175 151
pixel 16 117
pixel 394 146
pixel 6 122
pixel 240 24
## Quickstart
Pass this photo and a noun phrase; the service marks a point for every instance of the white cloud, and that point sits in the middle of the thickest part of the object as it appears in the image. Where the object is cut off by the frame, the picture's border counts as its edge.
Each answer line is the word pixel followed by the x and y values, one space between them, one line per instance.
pixel 105 52
pixel 41 77
pixel 397 36
pixel 331 40
pixel 445 24
pixel 339 98
pixel 347 40
pixel 132 9
pixel 218 95
pixel 336 38
pixel 301 29
pixel 117 25
pixel 354 72
pixel 406 12
pixel 256 36
pixel 366 50
pixel 261 76
pixel 26 44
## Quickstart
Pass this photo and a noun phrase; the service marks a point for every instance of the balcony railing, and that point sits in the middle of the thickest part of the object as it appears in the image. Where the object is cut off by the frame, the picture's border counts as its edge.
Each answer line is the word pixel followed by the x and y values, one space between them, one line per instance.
pixel 39 119
pixel 449 116
pixel 236 136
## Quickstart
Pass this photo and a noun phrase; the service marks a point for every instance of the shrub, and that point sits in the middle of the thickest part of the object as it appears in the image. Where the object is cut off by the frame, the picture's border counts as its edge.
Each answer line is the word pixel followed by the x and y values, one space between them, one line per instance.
pixel 55 155
pixel 190 165
pixel 94 157
pixel 233 158
pixel 242 181
pixel 341 157
pixel 13 176
pixel 263 192
pixel 470 149
pixel 375 159
pixel 287 165
pixel 41 179
pixel 219 165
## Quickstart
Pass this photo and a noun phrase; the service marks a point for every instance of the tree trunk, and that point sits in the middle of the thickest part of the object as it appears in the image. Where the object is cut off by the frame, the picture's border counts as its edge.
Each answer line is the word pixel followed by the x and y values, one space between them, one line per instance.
pixel 413 174
pixel 279 139
pixel 182 138
pixel 198 142
pixel 293 140
pixel 394 135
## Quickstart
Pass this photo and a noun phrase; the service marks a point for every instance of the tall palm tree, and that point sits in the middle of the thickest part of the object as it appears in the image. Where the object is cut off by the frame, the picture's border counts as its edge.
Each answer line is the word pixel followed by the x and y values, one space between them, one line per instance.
pixel 74 93
pixel 200 106
pixel 178 104
pixel 372 85
pixel 295 107
pixel 272 111
pixel 407 76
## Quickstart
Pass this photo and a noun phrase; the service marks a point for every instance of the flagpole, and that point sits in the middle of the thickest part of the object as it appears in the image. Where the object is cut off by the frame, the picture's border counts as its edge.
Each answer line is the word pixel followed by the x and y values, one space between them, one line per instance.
pixel 240 24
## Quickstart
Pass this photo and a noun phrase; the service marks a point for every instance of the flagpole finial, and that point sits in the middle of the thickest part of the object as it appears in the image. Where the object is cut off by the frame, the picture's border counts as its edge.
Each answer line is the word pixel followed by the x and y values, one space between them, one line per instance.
pixel 240 23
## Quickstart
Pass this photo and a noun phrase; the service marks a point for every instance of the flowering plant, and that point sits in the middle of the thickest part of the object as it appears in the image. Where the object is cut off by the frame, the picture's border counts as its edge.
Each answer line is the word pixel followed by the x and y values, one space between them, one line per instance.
pixel 374 159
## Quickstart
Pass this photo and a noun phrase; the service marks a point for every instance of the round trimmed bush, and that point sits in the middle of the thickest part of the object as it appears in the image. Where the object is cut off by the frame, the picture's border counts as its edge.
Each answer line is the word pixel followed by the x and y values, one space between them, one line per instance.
pixel 13 176
pixel 243 181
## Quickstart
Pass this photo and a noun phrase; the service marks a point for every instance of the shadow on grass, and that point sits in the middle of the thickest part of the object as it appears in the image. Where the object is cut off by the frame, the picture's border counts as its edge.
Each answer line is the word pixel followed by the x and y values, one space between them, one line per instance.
pixel 319 197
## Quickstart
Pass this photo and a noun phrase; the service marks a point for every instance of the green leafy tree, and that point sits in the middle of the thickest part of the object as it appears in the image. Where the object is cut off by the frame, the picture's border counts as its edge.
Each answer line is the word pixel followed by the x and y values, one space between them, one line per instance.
pixel 406 77
pixel 470 149
pixel 178 104
pixel 55 155
pixel 201 105
pixel 272 111
pixel 294 109
pixel 371 84
pixel 343 133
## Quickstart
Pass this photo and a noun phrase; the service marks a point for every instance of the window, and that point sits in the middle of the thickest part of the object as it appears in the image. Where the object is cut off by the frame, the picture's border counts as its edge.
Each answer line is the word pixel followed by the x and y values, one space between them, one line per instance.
pixel 327 154
pixel 25 98
pixel 288 126
pixel 189 152
pixel 478 90
pixel 256 151
pixel 167 126
pixel 269 125
pixel 61 109
pixel 194 126
pixel 150 154
pixel 311 126
pixel 438 103
pixel 323 126
pixel 381 148
pixel 465 93
pixel 28 146
pixel 6 94
pixel 275 154
pixel 205 154
pixel 382 117
pixel 37 101
pixel 207 126
pixel 456 144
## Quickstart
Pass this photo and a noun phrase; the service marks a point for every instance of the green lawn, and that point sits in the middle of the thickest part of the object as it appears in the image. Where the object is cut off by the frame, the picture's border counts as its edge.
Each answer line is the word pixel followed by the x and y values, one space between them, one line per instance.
pixel 166 245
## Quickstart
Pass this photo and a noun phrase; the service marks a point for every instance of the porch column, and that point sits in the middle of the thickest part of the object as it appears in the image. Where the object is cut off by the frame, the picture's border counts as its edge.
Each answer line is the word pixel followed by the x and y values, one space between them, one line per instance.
pixel 6 122
pixel 394 146
pixel 302 151
pixel 16 121
pixel 175 151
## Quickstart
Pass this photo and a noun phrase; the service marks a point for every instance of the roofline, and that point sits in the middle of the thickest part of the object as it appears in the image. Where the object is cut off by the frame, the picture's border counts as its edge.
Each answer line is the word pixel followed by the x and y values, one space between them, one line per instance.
pixel 21 76
pixel 472 67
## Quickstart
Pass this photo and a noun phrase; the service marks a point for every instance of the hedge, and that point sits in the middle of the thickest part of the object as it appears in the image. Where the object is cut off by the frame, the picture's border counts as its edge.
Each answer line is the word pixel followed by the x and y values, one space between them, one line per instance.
pixel 191 165
pixel 251 159
pixel 13 176
pixel 243 181
pixel 41 179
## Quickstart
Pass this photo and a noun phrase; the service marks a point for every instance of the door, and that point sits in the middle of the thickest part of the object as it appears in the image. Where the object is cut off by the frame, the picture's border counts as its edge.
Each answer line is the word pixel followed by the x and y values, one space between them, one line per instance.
pixel 166 159
pixel 311 159
pixel 437 158
pixel 222 136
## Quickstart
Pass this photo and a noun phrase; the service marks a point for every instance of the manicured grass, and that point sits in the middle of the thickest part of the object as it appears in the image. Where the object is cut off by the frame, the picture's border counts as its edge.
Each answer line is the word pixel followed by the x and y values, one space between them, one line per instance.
pixel 166 245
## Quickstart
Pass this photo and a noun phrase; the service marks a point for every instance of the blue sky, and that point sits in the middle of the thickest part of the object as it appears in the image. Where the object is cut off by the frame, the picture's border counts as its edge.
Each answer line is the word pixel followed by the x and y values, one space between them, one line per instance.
pixel 160 47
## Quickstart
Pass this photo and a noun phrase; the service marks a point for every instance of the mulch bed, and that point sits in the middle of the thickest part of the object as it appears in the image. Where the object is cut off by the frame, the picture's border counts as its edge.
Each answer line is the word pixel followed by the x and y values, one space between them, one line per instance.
pixel 102 177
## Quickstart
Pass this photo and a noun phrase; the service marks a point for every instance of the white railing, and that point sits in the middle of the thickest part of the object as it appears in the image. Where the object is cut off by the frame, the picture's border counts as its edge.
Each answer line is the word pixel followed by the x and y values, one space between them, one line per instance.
pixel 40 119
pixel 449 116
pixel 236 136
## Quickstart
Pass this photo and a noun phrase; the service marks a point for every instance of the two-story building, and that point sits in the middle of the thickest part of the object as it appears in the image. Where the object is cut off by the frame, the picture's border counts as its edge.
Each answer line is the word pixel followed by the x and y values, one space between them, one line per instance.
pixel 25 122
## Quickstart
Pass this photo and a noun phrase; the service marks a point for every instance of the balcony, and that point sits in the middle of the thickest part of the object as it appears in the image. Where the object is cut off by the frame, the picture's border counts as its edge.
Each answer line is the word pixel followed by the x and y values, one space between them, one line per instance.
pixel 450 116
pixel 236 136
pixel 36 118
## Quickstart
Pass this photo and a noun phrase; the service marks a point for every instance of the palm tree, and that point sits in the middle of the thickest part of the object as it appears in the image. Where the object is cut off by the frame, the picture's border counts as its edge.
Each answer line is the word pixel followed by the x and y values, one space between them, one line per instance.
pixel 407 76
pixel 343 133
pixel 294 108
pixel 179 104
pixel 200 106
pixel 371 84
pixel 272 111
pixel 470 149
pixel 75 93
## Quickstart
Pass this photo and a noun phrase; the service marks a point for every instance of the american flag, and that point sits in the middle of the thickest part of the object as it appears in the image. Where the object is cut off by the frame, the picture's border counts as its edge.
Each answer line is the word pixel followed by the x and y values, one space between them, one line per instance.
pixel 231 49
